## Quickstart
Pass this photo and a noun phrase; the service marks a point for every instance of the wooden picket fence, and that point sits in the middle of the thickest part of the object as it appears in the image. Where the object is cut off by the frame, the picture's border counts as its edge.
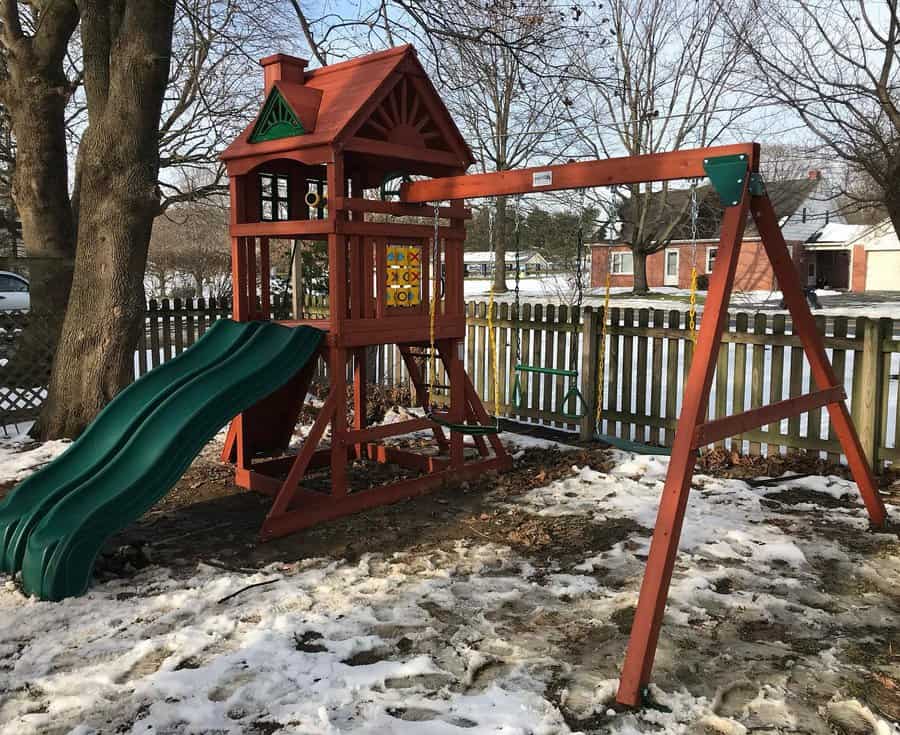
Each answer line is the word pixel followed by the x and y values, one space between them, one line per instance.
pixel 647 355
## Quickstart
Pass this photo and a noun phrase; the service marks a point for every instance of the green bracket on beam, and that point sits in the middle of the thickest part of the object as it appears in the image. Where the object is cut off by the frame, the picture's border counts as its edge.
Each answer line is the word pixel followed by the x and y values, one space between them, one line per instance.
pixel 757 186
pixel 727 175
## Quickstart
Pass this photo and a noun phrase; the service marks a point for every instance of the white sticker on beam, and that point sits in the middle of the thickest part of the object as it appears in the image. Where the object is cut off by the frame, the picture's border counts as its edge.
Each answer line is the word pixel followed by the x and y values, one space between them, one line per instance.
pixel 542 178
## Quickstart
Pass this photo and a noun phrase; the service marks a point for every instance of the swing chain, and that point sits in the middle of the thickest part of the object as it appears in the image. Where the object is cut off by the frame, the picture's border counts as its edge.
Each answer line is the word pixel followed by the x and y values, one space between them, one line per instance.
pixel 601 346
pixel 518 278
pixel 435 283
pixel 692 312
pixel 579 274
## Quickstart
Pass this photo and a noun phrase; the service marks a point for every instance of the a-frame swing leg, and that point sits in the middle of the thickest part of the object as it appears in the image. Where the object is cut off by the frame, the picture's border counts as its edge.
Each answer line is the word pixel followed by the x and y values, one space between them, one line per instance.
pixel 664 545
pixel 804 326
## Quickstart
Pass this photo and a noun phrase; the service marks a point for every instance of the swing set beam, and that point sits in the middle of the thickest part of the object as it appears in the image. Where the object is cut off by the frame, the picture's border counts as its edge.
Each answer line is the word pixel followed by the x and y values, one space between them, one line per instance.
pixel 652 167
pixel 735 177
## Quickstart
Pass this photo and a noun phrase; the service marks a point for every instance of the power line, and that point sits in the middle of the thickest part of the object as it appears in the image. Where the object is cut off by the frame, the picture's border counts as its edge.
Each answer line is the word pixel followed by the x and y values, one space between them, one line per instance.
pixel 674 116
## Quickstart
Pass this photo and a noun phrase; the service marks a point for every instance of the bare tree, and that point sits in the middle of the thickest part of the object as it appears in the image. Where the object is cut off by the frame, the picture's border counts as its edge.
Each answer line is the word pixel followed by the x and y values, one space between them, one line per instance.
pixel 191 240
pixel 673 74
pixel 509 106
pixel 126 62
pixel 834 63
pixel 213 90
pixel 34 91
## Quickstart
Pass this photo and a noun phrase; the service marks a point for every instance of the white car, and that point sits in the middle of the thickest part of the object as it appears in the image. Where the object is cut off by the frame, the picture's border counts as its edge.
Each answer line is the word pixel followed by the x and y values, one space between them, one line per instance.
pixel 14 294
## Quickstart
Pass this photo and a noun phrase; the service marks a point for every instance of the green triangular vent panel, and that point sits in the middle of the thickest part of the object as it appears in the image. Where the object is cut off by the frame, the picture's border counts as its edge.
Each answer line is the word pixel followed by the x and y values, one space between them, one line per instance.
pixel 276 120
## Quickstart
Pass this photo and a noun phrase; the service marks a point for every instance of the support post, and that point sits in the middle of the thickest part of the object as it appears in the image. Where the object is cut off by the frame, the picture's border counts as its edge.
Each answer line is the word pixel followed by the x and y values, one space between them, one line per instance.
pixel 664 546
pixel 590 344
pixel 804 327
pixel 868 412
pixel 297 280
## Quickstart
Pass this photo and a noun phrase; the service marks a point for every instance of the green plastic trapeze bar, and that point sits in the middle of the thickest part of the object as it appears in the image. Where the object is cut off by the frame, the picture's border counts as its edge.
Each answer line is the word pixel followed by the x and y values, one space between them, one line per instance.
pixel 470 429
pixel 547 371
pixel 580 405
pixel 727 175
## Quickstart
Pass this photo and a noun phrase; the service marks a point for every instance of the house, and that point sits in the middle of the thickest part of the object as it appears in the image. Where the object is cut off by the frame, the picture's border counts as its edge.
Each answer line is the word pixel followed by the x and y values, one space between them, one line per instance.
pixel 481 263
pixel 874 257
pixel 803 207
pixel 827 255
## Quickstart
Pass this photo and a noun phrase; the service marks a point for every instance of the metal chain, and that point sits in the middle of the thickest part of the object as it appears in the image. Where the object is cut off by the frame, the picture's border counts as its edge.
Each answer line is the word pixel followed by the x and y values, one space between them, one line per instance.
pixel 692 312
pixel 579 277
pixel 435 282
pixel 518 301
pixel 601 347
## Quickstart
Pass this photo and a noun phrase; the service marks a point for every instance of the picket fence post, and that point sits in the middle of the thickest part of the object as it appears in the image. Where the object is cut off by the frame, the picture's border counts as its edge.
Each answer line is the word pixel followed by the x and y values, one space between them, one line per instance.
pixel 590 343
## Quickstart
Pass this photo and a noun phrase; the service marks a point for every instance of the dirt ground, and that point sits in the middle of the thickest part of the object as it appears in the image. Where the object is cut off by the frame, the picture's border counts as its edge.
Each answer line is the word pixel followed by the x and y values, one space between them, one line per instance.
pixel 207 519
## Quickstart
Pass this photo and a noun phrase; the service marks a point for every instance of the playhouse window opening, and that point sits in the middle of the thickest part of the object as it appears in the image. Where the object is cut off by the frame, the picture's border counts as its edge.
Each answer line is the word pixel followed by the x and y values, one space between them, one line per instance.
pixel 274 200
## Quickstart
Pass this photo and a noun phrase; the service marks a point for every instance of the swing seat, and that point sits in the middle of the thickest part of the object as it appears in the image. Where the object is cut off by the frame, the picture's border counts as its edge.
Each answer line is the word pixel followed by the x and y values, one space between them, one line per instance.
pixel 572 394
pixel 441 419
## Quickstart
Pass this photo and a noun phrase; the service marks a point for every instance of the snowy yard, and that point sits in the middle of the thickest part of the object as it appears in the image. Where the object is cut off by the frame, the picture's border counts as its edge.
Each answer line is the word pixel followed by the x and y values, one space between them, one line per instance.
pixel 560 288
pixel 499 608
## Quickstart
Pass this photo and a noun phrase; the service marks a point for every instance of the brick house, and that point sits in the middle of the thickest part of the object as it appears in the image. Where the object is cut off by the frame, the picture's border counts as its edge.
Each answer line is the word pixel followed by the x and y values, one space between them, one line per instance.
pixel 803 207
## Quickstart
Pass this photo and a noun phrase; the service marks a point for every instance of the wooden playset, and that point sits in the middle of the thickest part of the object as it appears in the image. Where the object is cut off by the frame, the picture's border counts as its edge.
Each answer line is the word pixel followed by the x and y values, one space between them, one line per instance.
pixel 301 170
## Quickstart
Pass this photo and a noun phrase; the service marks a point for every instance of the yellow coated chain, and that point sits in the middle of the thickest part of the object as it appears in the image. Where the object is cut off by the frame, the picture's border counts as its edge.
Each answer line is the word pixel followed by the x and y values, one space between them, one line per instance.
pixel 601 354
pixel 492 353
pixel 435 287
pixel 692 313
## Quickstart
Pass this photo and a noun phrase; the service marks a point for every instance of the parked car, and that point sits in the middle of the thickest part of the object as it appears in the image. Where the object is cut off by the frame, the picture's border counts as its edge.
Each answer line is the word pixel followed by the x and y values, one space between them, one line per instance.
pixel 14 292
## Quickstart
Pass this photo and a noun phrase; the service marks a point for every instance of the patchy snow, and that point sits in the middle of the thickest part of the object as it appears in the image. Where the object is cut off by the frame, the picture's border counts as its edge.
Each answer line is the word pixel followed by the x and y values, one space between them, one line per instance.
pixel 477 637
pixel 19 457
pixel 559 288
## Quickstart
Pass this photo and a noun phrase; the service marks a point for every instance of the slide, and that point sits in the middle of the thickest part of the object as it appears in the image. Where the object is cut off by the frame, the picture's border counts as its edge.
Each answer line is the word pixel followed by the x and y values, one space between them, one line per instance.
pixel 138 452
pixel 22 508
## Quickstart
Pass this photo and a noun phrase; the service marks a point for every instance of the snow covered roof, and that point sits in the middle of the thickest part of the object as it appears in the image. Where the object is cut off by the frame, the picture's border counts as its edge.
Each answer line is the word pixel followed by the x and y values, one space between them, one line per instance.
pixel 835 234
pixel 487 256
pixel 882 236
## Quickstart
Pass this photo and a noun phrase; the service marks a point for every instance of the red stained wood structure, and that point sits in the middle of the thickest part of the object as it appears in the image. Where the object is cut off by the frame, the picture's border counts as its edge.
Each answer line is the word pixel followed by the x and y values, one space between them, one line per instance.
pixel 338 132
pixel 694 430
pixel 351 125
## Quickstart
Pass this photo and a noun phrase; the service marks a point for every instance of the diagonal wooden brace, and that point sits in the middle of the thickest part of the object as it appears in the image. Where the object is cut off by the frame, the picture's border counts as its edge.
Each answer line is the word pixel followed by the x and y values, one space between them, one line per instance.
pixel 713 431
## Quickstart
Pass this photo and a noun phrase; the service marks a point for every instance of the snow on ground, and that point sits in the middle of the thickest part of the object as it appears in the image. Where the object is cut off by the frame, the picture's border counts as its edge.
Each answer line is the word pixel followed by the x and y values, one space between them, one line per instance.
pixel 769 618
pixel 559 288
pixel 18 458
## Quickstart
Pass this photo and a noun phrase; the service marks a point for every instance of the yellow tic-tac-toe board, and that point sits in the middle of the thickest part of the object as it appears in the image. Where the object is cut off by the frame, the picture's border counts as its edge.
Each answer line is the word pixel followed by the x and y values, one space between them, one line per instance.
pixel 404 275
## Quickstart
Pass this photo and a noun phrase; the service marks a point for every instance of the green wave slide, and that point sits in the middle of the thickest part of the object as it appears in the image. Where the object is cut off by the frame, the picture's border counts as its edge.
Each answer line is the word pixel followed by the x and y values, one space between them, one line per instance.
pixel 54 524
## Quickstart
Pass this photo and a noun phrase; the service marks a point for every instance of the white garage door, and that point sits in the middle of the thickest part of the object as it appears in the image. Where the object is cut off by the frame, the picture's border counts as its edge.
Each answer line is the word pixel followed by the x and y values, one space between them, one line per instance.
pixel 883 270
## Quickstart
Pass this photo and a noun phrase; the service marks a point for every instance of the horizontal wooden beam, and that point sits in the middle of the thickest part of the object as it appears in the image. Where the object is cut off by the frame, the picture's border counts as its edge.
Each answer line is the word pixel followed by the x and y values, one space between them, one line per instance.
pixel 375 433
pixel 285 228
pixel 404 152
pixel 396 229
pixel 314 508
pixel 713 431
pixel 671 166
pixel 398 209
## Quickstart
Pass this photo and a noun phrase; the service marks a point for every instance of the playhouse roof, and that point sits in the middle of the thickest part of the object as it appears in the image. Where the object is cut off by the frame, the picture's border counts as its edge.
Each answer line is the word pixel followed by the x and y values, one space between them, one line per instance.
pixel 332 103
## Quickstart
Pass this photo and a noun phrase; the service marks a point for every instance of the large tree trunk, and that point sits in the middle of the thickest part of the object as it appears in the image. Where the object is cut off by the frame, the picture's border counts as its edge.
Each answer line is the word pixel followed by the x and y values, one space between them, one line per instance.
pixel 501 228
pixel 127 45
pixel 892 197
pixel 640 272
pixel 35 92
